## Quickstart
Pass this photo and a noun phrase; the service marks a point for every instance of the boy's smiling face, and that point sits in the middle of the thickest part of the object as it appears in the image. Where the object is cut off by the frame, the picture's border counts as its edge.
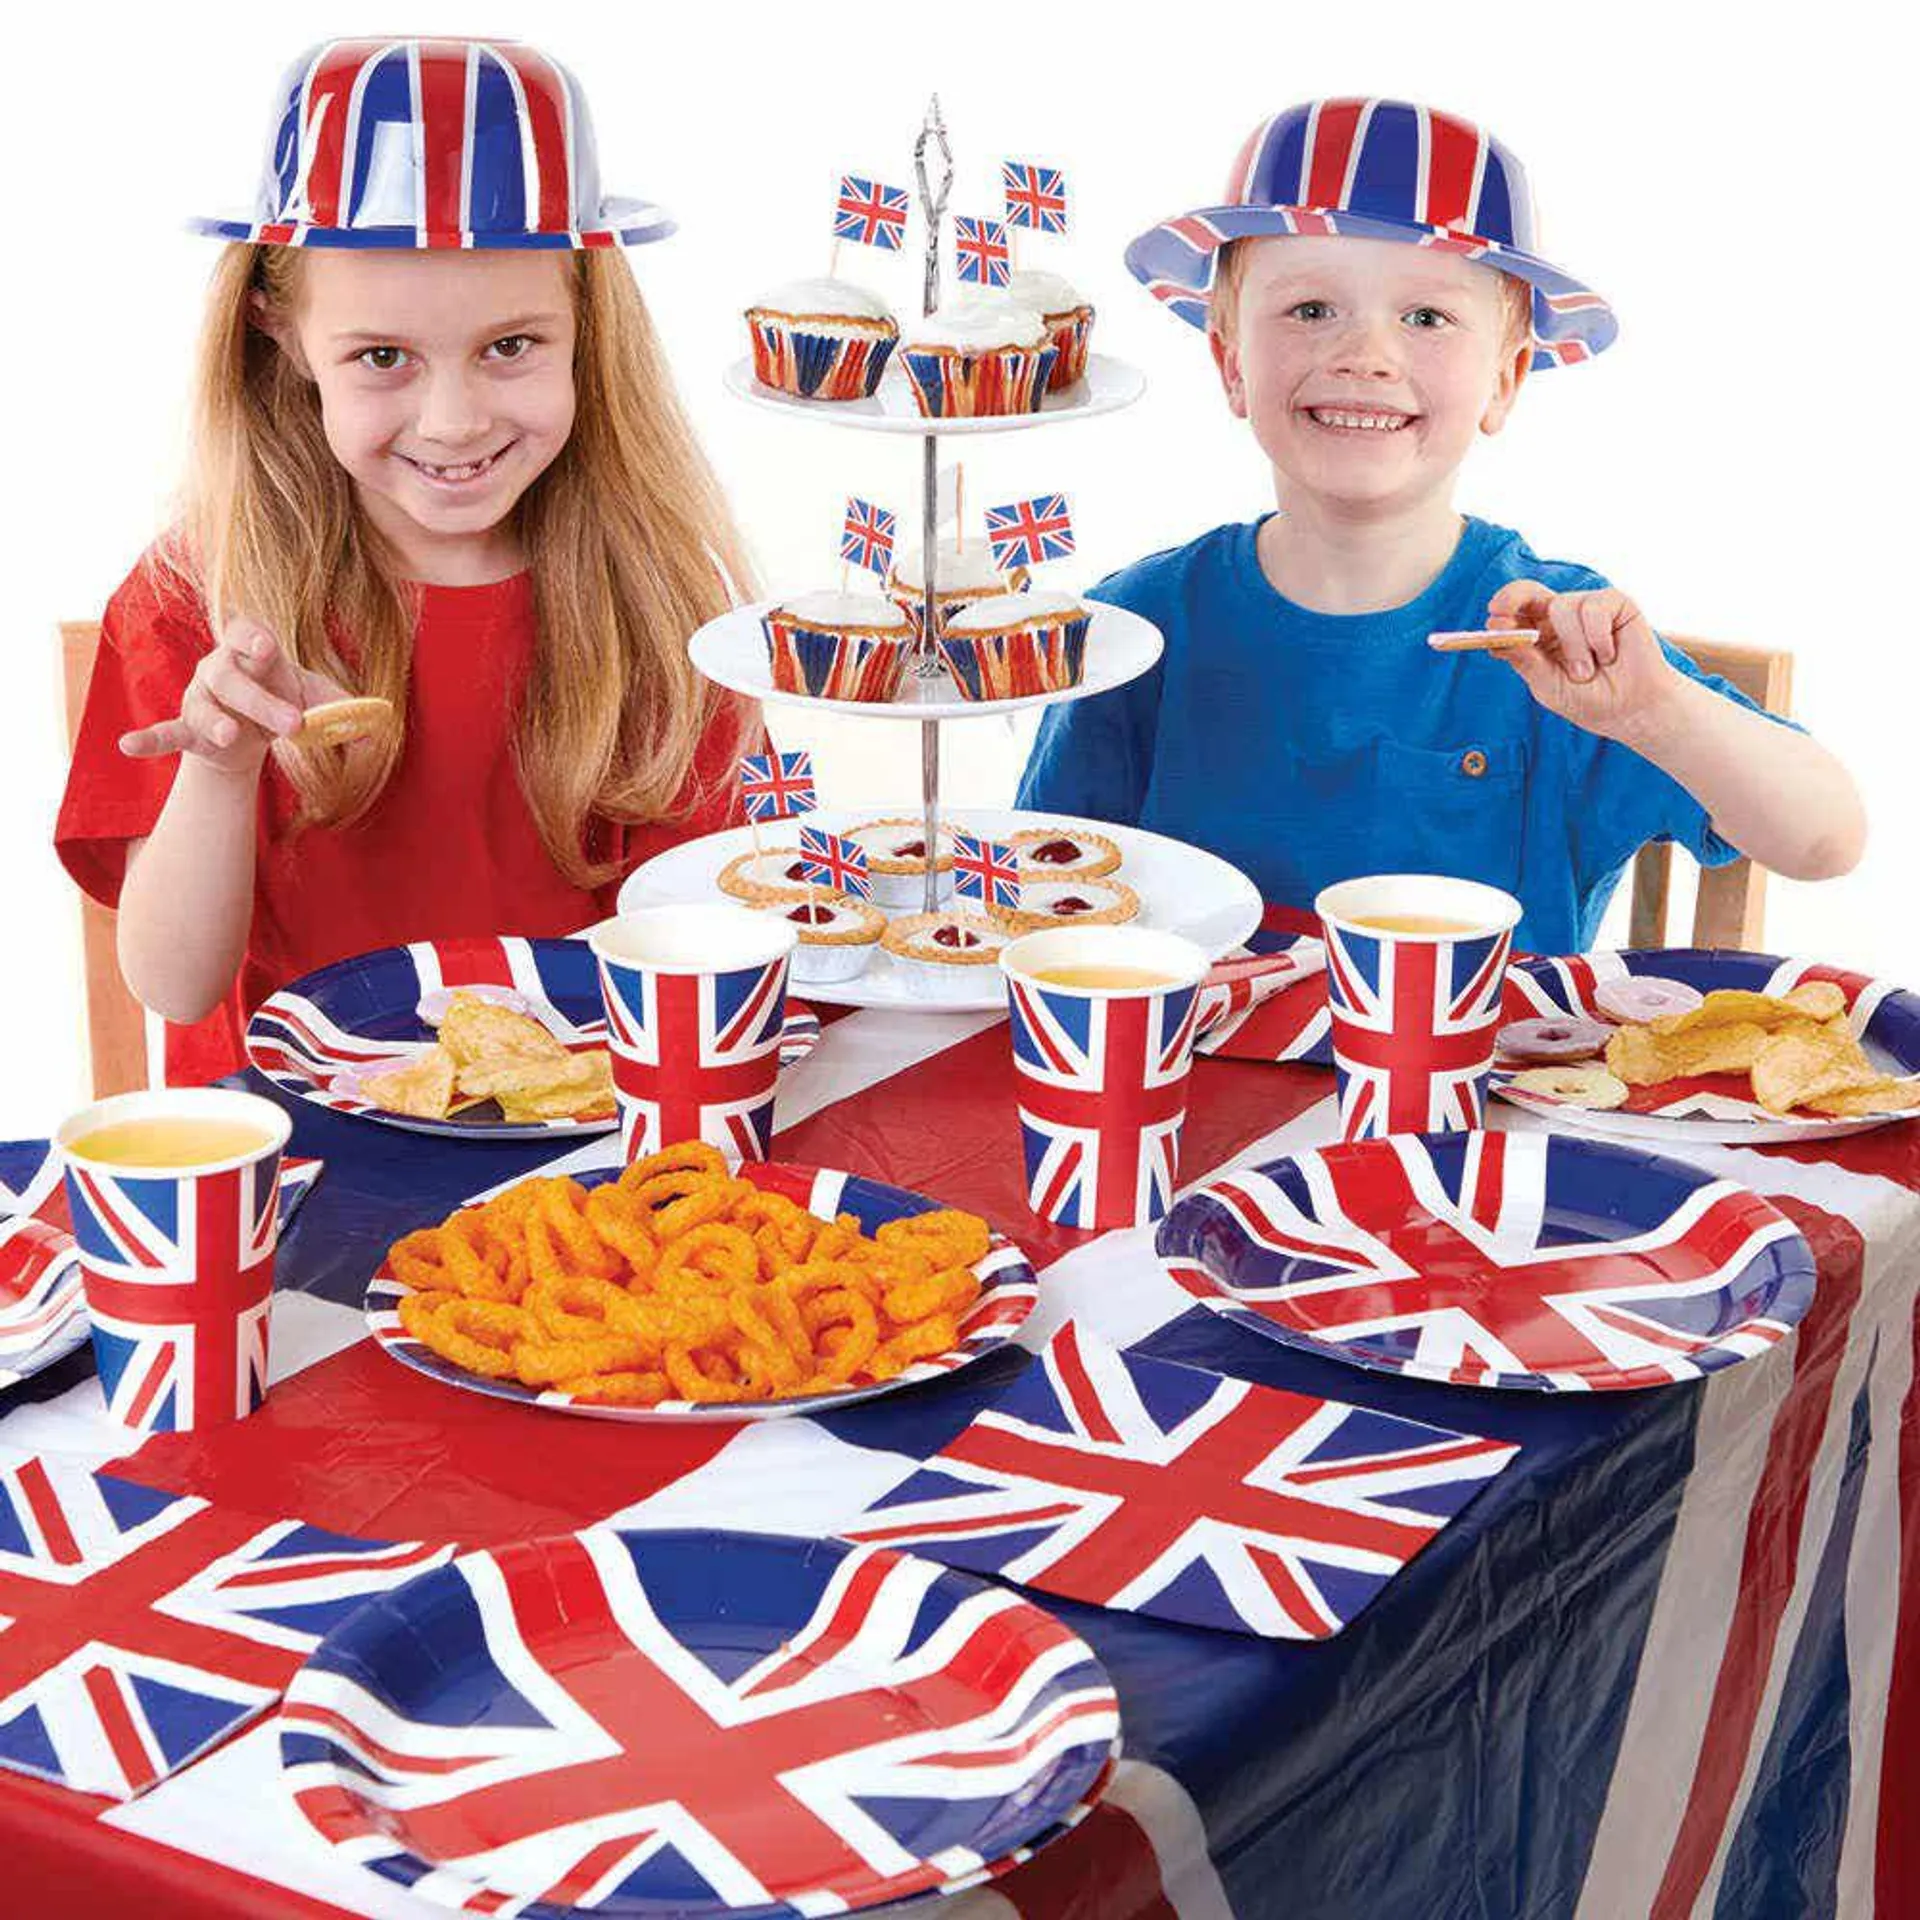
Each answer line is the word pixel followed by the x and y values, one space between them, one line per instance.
pixel 1367 367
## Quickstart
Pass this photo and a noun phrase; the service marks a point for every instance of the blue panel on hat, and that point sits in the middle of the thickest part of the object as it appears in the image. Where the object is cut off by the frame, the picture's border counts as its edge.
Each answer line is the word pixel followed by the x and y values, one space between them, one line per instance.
pixel 498 187
pixel 385 172
pixel 1387 167
pixel 1280 178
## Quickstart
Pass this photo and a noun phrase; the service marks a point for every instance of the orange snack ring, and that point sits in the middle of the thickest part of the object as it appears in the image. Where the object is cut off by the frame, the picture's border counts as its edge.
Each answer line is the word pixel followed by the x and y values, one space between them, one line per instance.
pixel 574 1306
pixel 477 1335
pixel 415 1310
pixel 764 1346
pixel 783 1314
pixel 586 1252
pixel 714 1250
pixel 692 1382
pixel 626 1389
pixel 961 1238
pixel 687 1156
pixel 542 1362
pixel 621 1223
pixel 951 1292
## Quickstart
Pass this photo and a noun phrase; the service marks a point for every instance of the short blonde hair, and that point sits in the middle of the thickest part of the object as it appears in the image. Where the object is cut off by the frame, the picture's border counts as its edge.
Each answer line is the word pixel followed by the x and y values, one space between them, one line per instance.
pixel 1230 265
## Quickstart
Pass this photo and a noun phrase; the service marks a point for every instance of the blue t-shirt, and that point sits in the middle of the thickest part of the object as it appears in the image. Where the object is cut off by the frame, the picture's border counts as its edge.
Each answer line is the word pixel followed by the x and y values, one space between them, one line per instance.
pixel 1310 747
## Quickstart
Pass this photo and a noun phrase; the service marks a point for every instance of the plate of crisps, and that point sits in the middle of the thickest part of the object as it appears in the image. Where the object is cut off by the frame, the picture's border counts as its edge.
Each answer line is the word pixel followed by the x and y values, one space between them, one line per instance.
pixel 1686 1044
pixel 498 1038
pixel 681 1289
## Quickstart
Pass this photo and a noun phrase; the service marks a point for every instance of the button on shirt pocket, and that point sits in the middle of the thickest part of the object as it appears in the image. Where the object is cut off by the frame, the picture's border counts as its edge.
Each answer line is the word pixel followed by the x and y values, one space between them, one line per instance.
pixel 1457 810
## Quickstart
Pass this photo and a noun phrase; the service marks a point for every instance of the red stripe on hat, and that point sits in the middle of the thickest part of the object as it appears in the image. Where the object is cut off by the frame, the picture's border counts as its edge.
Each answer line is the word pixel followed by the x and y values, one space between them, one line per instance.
pixel 547 115
pixel 444 141
pixel 1330 151
pixel 329 105
pixel 1453 171
pixel 1772 1550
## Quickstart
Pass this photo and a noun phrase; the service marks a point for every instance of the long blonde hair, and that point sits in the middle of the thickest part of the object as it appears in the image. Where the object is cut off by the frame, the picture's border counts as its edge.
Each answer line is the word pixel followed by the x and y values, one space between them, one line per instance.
pixel 628 539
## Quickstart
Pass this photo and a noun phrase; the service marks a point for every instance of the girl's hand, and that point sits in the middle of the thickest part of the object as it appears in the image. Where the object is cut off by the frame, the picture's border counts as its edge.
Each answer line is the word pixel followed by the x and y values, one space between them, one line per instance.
pixel 245 694
pixel 1598 663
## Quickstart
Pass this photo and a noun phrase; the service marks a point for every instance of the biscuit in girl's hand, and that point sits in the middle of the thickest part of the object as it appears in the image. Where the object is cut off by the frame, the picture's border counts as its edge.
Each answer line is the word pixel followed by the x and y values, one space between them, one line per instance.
pixel 1488 642
pixel 336 722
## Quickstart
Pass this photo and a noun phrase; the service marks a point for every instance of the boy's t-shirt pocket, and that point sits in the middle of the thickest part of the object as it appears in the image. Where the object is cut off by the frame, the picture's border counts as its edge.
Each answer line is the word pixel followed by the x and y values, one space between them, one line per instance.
pixel 1458 810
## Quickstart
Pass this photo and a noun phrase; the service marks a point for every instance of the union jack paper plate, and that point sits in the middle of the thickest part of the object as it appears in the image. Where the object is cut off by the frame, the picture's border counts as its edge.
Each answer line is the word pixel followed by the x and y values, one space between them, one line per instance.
pixel 1495 1260
pixel 1715 1108
pixel 363 1012
pixel 1008 1292
pixel 1147 1487
pixel 675 1725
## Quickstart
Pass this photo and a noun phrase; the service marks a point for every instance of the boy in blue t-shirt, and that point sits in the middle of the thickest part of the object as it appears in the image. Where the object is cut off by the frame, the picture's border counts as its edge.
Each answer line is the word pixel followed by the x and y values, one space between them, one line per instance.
pixel 1375 304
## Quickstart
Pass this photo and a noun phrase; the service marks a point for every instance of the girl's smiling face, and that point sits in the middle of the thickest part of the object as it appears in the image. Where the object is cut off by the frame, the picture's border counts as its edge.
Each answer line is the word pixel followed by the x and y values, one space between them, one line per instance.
pixel 1366 367
pixel 445 382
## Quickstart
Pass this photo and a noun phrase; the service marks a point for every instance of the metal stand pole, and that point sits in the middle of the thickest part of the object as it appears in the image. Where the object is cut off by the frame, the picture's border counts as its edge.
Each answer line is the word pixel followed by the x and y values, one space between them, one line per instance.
pixel 933 204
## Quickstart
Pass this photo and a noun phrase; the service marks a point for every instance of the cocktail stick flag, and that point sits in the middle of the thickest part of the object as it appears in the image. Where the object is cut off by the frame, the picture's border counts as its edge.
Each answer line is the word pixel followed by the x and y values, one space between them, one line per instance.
pixel 986 870
pixel 1036 196
pixel 776 786
pixel 870 212
pixel 981 253
pixel 1026 532
pixel 836 864
pixel 866 535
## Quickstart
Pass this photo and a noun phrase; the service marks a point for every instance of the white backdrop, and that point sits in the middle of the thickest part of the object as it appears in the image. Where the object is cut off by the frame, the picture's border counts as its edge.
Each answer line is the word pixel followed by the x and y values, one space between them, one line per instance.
pixel 1741 461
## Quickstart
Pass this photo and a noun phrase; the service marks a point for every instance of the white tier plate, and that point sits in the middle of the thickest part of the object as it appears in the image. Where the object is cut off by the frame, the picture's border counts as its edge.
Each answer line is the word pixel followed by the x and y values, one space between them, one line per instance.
pixel 1121 646
pixel 1109 385
pixel 1182 890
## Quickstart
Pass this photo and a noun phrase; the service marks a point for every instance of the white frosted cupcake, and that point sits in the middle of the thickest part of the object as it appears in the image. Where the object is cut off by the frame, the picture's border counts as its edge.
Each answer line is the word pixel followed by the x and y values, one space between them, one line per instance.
pixel 978 354
pixel 838 646
pixel 961 575
pixel 1019 645
pixel 1069 320
pixel 821 339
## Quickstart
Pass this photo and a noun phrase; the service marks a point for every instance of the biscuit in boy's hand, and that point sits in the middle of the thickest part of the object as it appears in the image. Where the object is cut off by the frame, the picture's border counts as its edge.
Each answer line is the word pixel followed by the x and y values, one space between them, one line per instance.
pixel 336 722
pixel 1483 642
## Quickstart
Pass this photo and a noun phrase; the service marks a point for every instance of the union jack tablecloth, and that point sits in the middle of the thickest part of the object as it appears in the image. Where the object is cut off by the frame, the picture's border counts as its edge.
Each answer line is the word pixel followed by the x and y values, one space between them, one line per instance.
pixel 1668 1663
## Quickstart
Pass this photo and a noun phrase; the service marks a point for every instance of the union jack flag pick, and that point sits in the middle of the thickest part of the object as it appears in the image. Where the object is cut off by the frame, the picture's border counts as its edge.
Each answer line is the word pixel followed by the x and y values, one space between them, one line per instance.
pixel 1036 196
pixel 138 1629
pixel 1026 532
pixel 1146 1487
pixel 982 256
pixel 777 786
pixel 870 212
pixel 866 535
pixel 836 864
pixel 987 871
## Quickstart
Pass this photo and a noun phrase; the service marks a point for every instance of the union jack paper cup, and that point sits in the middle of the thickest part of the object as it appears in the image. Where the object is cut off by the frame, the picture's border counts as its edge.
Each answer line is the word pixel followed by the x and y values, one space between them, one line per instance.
pixel 1415 967
pixel 176 1260
pixel 696 997
pixel 1101 1068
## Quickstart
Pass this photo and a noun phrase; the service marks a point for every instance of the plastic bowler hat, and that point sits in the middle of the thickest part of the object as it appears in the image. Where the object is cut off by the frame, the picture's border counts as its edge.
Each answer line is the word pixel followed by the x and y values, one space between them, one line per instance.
pixel 434 143
pixel 1381 170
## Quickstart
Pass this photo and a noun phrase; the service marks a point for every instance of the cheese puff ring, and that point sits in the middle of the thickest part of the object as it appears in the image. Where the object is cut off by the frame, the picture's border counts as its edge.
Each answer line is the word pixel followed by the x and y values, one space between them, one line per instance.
pixel 689 1156
pixel 767 1373
pixel 545 1363
pixel 698 1207
pixel 783 1313
pixel 761 1336
pixel 845 1349
pixel 478 1335
pixel 695 1322
pixel 584 1250
pixel 691 1381
pixel 633 1389
pixel 938 1333
pixel 760 1208
pixel 952 1238
pixel 716 1251
pixel 950 1292
pixel 412 1266
pixel 837 1239
pixel 469 1271
pixel 576 1306
pixel 620 1221
pixel 417 1309
pixel 802 1282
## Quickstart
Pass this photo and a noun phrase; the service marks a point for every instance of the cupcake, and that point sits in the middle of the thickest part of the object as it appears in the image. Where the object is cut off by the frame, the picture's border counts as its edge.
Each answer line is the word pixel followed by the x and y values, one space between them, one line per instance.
pixel 838 646
pixel 1069 321
pixel 896 853
pixel 838 936
pixel 978 355
pixel 1021 644
pixel 961 575
pixel 1063 853
pixel 821 339
pixel 950 955
pixel 1067 903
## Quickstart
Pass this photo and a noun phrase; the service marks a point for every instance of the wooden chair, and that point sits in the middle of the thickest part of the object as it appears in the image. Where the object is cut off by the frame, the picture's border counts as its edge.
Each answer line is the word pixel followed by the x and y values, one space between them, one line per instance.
pixel 116 1021
pixel 1731 904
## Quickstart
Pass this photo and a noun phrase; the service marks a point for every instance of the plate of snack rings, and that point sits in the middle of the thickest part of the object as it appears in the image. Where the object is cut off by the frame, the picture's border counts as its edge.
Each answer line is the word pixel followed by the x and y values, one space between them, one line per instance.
pixel 889 953
pixel 680 1289
pixel 1683 1044
pixel 1107 386
pixel 1118 647
pixel 497 1039
pixel 774 1694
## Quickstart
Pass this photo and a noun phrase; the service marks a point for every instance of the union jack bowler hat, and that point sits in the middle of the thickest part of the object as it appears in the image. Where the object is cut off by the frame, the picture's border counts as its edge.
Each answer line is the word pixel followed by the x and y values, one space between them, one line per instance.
pixel 1381 170
pixel 434 143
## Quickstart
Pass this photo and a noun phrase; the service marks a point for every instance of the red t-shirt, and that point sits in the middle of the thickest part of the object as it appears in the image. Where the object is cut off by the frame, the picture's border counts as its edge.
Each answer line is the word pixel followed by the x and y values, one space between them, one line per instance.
pixel 450 848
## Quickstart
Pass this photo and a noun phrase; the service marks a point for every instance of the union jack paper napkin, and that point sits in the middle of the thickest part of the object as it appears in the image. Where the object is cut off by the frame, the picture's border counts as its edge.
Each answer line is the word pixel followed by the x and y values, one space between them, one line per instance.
pixel 43 1317
pixel 1269 1006
pixel 1147 1487
pixel 140 1628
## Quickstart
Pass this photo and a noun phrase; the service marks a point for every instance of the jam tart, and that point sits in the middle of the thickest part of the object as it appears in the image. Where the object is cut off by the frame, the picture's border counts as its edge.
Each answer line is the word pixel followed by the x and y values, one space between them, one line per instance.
pixel 944 950
pixel 838 936
pixel 774 873
pixel 1067 903
pixel 1060 853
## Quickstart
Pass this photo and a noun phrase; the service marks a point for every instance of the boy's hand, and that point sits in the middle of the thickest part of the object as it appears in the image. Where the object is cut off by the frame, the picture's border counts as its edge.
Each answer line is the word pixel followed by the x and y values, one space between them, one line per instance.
pixel 1598 663
pixel 245 694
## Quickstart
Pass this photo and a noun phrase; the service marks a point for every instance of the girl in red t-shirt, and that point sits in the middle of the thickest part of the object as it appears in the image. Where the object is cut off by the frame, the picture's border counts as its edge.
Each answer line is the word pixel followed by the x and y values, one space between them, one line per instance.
pixel 438 459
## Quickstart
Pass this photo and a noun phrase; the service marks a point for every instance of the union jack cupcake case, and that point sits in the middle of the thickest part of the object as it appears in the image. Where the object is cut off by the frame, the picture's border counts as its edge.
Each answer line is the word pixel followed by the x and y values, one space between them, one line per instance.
pixel 433 143
pixel 1378 170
